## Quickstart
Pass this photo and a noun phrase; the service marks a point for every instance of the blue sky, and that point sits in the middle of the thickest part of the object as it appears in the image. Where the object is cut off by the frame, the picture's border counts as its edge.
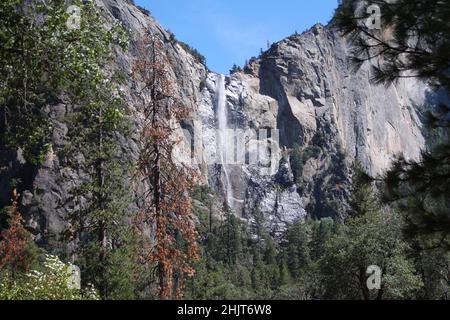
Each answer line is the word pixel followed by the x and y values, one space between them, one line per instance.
pixel 231 31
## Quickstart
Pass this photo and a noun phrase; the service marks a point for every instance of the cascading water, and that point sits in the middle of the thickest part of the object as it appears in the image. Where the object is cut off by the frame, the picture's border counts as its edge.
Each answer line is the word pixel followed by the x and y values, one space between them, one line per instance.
pixel 223 143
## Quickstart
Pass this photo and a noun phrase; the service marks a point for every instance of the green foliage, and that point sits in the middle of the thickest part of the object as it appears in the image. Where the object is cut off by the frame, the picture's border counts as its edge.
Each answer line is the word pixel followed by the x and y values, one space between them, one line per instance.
pixel 417 46
pixel 315 259
pixel 421 191
pixel 299 157
pixel 322 230
pixel 42 58
pixel 232 264
pixel 50 282
pixel 235 69
pixel 238 264
pixel 46 62
pixel 194 52
pixel 434 266
pixel 298 248
pixel 203 194
pixel 370 239
pixel 362 199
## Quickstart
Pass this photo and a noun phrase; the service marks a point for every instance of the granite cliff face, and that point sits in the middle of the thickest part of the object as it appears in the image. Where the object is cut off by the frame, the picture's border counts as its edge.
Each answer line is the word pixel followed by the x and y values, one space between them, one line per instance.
pixel 303 86
pixel 306 88
pixel 46 188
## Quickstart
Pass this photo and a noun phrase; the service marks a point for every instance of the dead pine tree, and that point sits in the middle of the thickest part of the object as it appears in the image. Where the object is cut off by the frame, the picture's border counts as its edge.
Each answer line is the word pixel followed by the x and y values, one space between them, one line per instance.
pixel 166 221
pixel 17 249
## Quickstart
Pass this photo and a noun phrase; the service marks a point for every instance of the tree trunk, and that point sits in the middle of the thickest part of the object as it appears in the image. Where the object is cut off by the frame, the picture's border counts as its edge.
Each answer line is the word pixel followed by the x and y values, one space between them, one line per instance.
pixel 102 240
pixel 362 284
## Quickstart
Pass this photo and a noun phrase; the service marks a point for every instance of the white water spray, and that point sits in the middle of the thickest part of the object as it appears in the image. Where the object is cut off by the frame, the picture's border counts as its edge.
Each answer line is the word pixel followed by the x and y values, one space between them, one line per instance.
pixel 223 144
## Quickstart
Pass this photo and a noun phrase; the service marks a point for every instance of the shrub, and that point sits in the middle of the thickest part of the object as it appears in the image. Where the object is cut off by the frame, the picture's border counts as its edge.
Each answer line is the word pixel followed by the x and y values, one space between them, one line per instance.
pixel 194 52
pixel 49 283
pixel 235 69
pixel 143 10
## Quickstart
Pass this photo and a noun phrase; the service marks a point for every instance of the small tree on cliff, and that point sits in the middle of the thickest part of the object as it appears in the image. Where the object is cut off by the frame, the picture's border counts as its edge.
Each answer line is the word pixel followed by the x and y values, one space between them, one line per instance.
pixel 170 242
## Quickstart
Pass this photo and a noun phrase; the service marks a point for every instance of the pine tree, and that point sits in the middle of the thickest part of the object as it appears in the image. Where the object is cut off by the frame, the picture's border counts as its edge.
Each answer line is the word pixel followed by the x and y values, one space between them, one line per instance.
pixel 100 221
pixel 25 54
pixel 285 276
pixel 362 199
pixel 45 62
pixel 167 211
pixel 298 254
pixel 235 69
pixel 232 238
pixel 322 231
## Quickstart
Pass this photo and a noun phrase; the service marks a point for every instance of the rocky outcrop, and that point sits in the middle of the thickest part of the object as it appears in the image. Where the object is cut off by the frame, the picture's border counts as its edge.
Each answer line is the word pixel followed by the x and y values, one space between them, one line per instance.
pixel 320 92
pixel 303 86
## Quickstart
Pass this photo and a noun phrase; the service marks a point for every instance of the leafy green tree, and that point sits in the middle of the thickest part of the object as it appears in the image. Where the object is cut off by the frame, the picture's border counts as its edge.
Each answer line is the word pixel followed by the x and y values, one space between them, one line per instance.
pixel 50 55
pixel 363 241
pixel 100 221
pixel 50 282
pixel 368 237
pixel 434 268
pixel 42 58
pixel 291 292
pixel 24 91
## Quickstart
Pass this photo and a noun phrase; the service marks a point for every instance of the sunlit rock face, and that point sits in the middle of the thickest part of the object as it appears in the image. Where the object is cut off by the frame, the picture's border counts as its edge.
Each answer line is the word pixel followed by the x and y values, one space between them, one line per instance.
pixel 325 105
pixel 319 91
pixel 303 86
pixel 252 122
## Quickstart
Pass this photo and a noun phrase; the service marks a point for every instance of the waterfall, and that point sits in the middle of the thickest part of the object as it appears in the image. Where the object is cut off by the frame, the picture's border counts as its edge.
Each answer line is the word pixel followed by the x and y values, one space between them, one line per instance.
pixel 223 143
